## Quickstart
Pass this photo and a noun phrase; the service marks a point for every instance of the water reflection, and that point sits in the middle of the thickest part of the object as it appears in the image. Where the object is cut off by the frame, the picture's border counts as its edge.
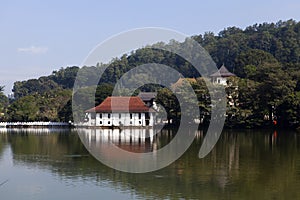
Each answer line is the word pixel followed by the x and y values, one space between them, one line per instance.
pixel 41 131
pixel 133 150
pixel 243 165
pixel 133 140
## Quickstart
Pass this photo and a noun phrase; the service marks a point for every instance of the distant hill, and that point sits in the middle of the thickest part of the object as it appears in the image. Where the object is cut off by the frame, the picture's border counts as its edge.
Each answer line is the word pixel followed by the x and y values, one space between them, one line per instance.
pixel 243 52
pixel 61 79
pixel 233 47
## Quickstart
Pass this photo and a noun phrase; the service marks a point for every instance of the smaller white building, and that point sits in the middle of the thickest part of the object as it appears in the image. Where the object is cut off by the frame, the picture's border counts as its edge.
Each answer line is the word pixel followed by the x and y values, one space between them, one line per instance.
pixel 121 111
pixel 221 76
pixel 148 98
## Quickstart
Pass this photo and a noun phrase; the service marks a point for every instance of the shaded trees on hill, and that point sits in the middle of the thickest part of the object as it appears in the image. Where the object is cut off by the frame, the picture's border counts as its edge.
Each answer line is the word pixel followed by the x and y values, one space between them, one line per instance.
pixel 63 78
pixel 279 39
pixel 234 47
pixel 265 56
pixel 39 107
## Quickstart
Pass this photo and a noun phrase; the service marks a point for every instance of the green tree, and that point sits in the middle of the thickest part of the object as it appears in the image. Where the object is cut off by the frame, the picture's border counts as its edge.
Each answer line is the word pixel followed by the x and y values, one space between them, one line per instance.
pixel 39 107
pixel 3 103
pixel 249 60
pixel 168 100
pixel 275 86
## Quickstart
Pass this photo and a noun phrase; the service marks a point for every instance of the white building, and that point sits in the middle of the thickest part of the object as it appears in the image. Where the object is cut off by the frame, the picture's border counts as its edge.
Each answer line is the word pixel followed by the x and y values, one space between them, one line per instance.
pixel 220 77
pixel 121 111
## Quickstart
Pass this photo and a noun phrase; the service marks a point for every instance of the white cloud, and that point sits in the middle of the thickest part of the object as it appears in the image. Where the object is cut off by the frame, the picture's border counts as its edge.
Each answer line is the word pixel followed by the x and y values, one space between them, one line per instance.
pixel 33 50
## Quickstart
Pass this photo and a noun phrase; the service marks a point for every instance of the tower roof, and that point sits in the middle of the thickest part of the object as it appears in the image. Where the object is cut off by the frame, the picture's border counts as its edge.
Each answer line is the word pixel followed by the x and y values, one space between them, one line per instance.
pixel 147 96
pixel 222 72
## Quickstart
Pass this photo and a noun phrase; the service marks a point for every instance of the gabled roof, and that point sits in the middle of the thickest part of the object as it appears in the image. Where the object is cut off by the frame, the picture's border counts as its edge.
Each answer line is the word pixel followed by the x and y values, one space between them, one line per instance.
pixel 121 104
pixel 147 96
pixel 222 72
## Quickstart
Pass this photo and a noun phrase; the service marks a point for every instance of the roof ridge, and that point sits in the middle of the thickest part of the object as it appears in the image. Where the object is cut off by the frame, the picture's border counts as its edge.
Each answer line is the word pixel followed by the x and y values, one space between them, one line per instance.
pixel 222 72
pixel 125 104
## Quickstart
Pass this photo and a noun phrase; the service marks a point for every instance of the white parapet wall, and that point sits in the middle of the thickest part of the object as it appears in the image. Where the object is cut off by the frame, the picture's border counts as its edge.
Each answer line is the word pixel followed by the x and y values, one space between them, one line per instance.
pixel 33 124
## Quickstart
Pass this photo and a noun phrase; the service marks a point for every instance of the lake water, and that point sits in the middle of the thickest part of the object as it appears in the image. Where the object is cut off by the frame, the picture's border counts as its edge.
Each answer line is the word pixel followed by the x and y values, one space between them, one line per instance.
pixel 245 164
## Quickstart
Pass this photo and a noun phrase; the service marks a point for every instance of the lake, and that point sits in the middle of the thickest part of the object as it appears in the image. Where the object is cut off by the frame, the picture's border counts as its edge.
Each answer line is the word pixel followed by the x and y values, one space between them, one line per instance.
pixel 245 164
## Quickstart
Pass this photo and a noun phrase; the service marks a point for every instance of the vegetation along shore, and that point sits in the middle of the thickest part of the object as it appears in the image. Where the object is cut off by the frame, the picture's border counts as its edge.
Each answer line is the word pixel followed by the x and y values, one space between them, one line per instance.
pixel 265 91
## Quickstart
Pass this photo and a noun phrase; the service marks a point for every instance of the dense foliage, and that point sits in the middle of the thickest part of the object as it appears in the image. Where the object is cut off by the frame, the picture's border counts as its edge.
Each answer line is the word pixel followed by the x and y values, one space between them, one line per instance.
pixel 61 79
pixel 265 57
pixel 3 104
pixel 52 105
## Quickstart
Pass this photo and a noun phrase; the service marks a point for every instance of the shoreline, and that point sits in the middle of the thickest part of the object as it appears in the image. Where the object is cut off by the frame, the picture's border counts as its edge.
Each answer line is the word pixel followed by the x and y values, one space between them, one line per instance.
pixel 38 124
pixel 70 125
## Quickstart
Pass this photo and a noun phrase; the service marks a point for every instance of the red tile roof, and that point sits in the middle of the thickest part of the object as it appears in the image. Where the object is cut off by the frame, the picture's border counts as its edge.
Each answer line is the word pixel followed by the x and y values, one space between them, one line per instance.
pixel 120 104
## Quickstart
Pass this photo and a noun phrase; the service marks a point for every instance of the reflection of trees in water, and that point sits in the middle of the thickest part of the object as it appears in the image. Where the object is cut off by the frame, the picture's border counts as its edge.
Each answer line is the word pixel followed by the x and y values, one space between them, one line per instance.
pixel 45 149
pixel 3 142
pixel 241 165
pixel 228 166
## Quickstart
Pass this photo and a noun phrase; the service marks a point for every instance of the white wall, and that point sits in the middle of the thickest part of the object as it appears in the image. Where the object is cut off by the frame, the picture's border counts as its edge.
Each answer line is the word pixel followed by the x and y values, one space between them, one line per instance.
pixel 120 119
pixel 220 80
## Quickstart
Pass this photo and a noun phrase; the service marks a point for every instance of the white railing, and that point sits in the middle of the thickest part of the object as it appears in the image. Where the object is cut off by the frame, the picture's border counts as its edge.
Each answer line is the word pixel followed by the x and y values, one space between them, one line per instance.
pixel 5 124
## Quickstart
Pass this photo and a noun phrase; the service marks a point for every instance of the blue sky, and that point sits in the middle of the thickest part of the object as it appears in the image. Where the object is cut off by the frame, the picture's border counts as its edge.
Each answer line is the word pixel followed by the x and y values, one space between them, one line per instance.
pixel 38 37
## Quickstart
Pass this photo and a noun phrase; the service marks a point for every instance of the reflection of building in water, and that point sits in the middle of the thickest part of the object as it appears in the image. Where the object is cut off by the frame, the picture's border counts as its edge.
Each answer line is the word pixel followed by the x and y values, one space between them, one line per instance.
pixel 121 111
pixel 136 140
pixel 133 140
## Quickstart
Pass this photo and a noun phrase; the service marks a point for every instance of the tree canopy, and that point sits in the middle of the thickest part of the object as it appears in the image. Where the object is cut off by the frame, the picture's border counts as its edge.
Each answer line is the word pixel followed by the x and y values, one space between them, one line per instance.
pixel 265 57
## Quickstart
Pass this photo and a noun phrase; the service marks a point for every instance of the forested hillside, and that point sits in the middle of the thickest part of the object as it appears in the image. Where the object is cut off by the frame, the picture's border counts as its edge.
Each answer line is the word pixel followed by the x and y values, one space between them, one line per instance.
pixel 61 79
pixel 265 57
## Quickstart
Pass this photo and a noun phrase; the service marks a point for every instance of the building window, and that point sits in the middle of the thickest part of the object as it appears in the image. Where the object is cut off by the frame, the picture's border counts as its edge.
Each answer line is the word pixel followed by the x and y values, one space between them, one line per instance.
pixel 108 115
pixel 100 122
pixel 130 122
pixel 140 115
pixel 100 115
pixel 119 115
pixel 93 115
pixel 130 115
pixel 140 122
pixel 108 122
